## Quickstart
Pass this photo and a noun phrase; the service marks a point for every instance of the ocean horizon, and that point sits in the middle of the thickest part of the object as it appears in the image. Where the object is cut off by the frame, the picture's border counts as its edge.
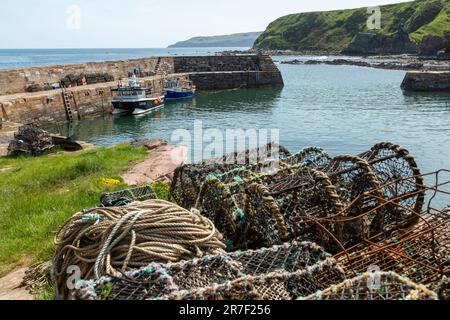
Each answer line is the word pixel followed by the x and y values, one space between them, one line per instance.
pixel 23 58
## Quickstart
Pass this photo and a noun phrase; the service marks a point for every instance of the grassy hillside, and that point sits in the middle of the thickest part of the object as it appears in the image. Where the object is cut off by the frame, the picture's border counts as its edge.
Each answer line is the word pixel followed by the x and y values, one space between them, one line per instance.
pixel 334 30
pixel 232 40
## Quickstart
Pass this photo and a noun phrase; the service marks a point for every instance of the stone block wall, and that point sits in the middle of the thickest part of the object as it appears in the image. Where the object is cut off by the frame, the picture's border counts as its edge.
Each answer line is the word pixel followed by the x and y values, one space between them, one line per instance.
pixel 47 108
pixel 18 80
pixel 236 79
pixel 216 63
pixel 426 81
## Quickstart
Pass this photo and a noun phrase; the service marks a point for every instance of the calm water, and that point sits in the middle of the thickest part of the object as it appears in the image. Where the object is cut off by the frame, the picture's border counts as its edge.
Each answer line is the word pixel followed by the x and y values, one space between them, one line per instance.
pixel 343 109
pixel 19 58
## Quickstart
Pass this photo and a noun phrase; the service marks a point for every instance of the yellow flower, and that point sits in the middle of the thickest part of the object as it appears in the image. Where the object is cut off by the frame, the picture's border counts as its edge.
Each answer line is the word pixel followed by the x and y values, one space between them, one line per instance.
pixel 111 182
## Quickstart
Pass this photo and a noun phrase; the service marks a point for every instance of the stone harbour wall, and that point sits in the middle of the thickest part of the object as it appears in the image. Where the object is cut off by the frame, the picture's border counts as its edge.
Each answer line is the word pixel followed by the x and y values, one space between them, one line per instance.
pixel 21 80
pixel 31 94
pixel 426 81
pixel 44 78
pixel 216 63
pixel 48 107
pixel 235 79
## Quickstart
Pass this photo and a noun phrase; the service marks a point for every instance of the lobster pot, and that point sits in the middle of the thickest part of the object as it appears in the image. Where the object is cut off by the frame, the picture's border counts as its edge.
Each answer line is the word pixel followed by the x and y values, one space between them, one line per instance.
pixel 279 285
pixel 224 198
pixel 398 173
pixel 353 178
pixel 188 179
pixel 161 280
pixel 288 208
pixel 261 211
pixel 222 206
pixel 30 140
pixel 419 252
pixel 127 196
pixel 375 286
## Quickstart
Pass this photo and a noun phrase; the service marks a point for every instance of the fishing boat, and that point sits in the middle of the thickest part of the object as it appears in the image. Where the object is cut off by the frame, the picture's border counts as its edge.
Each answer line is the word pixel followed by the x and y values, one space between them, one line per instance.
pixel 134 98
pixel 176 89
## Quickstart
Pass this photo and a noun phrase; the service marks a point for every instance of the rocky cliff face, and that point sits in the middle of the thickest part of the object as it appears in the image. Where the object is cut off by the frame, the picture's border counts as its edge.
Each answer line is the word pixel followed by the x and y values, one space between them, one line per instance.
pixel 375 43
pixel 435 46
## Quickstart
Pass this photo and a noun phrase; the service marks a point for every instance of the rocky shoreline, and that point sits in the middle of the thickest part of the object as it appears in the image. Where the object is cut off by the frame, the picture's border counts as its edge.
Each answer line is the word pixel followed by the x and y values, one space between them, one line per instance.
pixel 405 62
pixel 389 63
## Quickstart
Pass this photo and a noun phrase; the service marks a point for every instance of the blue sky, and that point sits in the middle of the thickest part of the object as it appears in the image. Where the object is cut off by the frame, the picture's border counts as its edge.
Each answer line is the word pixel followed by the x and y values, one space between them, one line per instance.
pixel 143 23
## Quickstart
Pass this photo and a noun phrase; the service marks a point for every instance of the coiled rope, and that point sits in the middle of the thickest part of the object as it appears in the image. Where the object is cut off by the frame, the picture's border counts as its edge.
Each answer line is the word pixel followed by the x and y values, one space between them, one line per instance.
pixel 103 240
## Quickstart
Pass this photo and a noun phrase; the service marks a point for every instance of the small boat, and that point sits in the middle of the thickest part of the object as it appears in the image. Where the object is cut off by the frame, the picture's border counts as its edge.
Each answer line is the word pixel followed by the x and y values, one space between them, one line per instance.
pixel 135 99
pixel 176 89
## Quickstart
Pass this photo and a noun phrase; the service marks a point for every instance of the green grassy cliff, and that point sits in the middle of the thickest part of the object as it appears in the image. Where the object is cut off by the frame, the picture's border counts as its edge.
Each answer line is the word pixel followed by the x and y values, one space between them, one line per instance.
pixel 334 30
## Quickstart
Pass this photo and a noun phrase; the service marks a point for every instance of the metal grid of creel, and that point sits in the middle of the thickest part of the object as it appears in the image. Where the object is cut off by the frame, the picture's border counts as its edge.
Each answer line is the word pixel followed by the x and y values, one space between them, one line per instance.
pixel 417 248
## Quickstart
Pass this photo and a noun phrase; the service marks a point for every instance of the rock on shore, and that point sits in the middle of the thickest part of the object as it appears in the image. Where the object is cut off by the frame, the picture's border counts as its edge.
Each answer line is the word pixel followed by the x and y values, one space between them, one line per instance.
pixel 159 165
pixel 407 63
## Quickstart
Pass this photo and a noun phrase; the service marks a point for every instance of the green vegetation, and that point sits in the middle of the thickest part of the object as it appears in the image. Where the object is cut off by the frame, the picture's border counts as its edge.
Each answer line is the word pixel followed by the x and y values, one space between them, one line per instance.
pixel 38 194
pixel 232 40
pixel 334 30
pixel 46 293
pixel 161 189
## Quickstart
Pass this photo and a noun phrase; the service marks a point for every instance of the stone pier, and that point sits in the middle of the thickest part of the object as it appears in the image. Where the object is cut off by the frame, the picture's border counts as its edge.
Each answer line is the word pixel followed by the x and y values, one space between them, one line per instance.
pixel 427 81
pixel 32 94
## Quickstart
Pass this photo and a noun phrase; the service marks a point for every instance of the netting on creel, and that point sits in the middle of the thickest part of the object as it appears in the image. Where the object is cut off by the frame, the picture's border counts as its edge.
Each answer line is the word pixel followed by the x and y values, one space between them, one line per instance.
pixel 272 209
pixel 126 196
pixel 227 200
pixel 391 162
pixel 443 289
pixel 157 280
pixel 188 179
pixel 281 285
pixel 37 277
pixel 375 286
pixel 311 156
pixel 352 178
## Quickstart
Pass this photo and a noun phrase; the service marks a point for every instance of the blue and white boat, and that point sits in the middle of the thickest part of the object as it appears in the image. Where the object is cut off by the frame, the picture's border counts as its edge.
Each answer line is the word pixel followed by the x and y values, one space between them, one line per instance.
pixel 175 89
pixel 135 99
